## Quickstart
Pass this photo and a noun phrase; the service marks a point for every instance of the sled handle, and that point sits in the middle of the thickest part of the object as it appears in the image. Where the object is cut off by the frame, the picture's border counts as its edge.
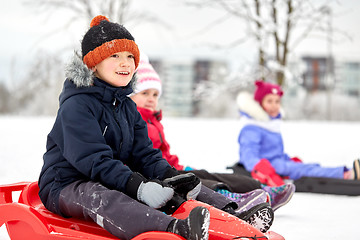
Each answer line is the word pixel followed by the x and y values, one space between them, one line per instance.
pixel 6 191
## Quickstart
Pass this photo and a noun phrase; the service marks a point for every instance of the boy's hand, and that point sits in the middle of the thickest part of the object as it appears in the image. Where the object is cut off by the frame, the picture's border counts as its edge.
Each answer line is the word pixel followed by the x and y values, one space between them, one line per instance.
pixel 154 193
pixel 187 185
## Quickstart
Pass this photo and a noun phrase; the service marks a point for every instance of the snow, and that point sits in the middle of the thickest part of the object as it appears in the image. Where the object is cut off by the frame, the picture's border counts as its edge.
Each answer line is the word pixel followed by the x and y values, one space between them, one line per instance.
pixel 212 144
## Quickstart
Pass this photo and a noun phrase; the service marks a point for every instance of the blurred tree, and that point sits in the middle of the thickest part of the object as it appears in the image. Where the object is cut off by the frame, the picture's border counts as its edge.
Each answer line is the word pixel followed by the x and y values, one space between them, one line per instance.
pixel 119 11
pixel 272 24
pixel 4 98
pixel 38 93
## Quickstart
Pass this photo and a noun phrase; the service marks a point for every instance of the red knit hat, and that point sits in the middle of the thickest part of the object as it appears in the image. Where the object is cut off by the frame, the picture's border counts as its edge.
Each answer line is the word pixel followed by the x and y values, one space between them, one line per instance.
pixel 264 88
pixel 105 38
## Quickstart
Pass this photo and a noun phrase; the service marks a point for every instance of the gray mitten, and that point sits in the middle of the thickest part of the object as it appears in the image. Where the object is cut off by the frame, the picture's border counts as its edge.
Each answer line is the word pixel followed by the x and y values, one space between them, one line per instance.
pixel 154 193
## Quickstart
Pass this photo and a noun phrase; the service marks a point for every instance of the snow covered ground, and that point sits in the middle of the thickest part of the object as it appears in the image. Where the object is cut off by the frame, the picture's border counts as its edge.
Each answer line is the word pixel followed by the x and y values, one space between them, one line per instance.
pixel 212 144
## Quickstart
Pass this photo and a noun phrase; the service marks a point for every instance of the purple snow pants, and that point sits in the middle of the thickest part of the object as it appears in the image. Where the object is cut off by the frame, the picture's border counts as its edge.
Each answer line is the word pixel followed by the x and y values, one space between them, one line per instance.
pixel 297 170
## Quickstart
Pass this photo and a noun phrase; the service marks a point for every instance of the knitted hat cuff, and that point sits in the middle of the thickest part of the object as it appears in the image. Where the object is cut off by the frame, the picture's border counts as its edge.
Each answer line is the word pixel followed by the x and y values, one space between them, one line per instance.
pixel 148 84
pixel 104 51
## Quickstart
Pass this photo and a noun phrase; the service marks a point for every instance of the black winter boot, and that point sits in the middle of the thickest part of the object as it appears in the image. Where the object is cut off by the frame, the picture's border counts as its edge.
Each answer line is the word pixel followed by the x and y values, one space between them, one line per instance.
pixel 356 169
pixel 194 227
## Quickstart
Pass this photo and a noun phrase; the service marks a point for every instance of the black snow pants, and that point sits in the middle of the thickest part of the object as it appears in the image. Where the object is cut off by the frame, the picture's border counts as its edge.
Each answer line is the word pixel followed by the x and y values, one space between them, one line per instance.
pixel 233 182
pixel 118 213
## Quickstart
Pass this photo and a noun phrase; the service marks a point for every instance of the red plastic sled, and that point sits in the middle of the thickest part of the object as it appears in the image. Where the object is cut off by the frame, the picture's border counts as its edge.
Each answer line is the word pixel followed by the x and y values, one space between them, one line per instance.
pixel 28 219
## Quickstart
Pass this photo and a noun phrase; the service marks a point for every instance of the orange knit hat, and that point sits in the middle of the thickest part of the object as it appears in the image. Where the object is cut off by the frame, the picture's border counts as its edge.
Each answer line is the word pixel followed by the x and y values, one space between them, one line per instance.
pixel 105 38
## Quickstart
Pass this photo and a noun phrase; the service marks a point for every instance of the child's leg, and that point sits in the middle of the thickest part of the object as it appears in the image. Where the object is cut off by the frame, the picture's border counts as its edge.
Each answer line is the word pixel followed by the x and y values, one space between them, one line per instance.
pixel 297 170
pixel 247 200
pixel 235 182
pixel 119 214
pixel 215 199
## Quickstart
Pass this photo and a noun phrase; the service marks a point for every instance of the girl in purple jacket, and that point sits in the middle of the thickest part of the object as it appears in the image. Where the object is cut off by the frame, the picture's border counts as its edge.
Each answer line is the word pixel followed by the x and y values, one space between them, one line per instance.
pixel 261 144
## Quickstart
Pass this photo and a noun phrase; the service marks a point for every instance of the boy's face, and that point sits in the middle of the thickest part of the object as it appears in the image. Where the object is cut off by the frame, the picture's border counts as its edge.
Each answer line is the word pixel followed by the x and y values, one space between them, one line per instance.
pixel 147 99
pixel 117 70
pixel 271 103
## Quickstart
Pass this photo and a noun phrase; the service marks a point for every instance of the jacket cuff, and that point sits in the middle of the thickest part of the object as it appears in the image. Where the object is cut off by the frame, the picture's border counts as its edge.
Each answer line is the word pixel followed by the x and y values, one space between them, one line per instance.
pixel 133 184
pixel 170 172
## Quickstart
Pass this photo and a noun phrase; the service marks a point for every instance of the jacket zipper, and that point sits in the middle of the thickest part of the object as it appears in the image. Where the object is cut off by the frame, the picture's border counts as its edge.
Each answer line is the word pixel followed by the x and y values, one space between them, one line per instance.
pixel 115 117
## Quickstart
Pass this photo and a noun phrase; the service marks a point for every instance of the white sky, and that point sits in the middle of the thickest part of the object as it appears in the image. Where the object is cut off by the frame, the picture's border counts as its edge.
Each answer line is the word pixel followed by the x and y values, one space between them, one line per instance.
pixel 21 30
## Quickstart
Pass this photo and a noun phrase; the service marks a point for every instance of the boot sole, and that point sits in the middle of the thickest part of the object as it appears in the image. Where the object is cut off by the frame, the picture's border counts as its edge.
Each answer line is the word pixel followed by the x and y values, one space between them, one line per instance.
pixel 260 217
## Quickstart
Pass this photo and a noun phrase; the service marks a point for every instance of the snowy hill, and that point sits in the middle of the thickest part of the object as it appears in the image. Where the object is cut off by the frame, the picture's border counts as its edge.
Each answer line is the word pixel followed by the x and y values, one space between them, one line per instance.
pixel 212 144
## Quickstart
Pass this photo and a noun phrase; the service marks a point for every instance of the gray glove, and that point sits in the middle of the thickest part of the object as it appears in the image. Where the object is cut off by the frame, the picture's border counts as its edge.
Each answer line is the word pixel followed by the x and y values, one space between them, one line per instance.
pixel 154 193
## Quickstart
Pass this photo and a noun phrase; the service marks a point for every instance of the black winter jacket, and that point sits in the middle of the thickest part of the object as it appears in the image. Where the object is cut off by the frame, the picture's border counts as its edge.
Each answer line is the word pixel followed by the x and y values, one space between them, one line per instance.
pixel 98 136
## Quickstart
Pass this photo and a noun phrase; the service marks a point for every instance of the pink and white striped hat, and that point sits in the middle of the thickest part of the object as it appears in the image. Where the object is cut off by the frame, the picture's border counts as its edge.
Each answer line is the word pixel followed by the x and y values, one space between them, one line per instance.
pixel 146 76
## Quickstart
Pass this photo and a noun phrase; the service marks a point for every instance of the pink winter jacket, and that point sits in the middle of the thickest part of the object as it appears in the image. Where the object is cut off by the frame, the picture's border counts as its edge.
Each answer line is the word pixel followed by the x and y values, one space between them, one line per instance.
pixel 157 136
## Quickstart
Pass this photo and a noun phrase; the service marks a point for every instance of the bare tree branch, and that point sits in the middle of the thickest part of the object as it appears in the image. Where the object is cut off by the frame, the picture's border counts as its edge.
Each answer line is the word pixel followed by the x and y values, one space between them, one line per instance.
pixel 275 21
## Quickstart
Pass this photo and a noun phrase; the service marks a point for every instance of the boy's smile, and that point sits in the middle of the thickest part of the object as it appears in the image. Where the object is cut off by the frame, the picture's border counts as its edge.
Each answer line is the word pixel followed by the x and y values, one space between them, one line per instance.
pixel 122 73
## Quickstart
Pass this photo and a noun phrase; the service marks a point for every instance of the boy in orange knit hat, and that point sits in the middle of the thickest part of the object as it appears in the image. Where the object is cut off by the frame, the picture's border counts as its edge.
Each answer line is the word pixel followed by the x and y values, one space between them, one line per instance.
pixel 100 164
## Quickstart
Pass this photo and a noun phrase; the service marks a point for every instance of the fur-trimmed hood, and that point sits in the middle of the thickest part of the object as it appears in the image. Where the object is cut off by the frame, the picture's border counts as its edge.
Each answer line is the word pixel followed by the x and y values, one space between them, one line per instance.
pixel 78 72
pixel 80 79
pixel 81 75
pixel 253 114
pixel 246 104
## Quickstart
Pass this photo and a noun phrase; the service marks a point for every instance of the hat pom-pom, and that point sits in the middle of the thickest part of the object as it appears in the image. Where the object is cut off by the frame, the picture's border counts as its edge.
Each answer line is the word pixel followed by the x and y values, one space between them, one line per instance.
pixel 97 20
pixel 259 83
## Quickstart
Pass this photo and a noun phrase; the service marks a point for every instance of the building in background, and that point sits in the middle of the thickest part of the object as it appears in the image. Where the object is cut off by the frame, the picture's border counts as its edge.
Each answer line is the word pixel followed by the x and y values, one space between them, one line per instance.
pixel 179 80
pixel 319 88
pixel 319 73
pixel 349 77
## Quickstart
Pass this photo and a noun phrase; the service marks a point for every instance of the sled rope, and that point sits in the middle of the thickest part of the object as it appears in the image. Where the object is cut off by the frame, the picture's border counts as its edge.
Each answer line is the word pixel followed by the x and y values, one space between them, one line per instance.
pixel 255 237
